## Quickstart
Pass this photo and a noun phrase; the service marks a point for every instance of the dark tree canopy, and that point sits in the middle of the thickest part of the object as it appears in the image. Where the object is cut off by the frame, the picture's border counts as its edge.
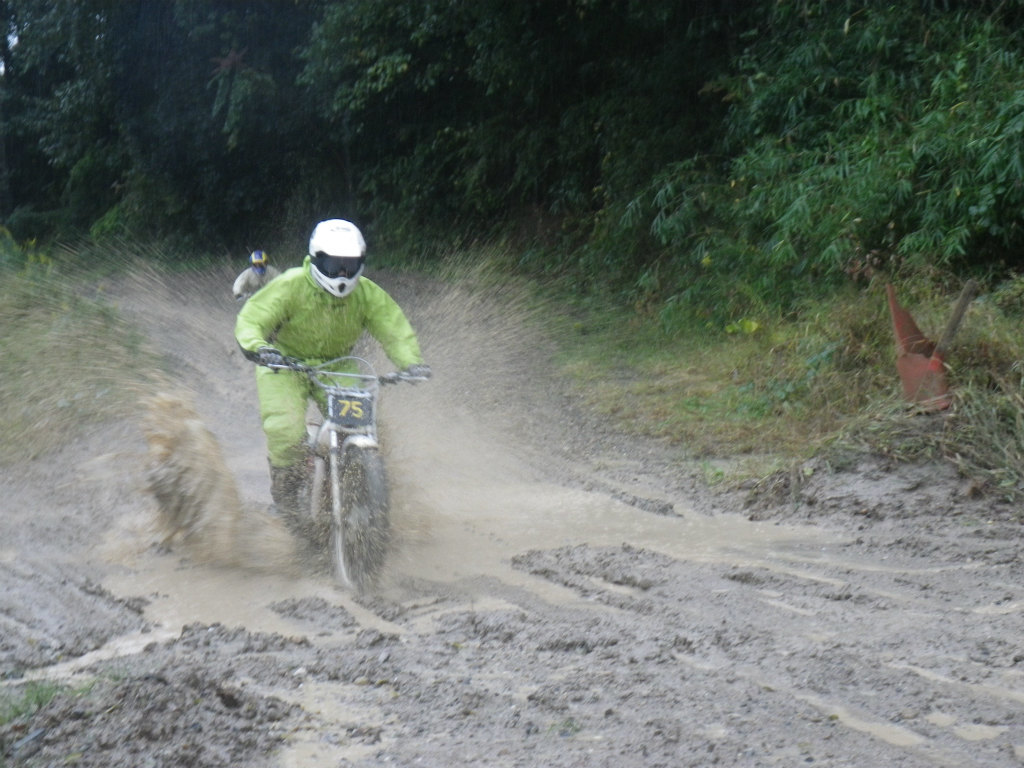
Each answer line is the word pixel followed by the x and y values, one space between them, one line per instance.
pixel 678 146
pixel 215 116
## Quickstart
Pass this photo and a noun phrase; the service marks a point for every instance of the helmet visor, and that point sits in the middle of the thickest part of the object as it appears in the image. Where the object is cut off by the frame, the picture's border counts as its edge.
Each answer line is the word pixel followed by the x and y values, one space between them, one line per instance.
pixel 337 266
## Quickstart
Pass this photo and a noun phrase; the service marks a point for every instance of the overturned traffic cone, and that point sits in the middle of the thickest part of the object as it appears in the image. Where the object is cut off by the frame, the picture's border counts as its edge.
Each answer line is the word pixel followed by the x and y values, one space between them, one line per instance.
pixel 921 362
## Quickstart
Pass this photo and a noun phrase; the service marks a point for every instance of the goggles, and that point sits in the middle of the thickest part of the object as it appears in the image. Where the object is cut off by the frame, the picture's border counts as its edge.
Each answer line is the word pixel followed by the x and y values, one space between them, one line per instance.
pixel 337 266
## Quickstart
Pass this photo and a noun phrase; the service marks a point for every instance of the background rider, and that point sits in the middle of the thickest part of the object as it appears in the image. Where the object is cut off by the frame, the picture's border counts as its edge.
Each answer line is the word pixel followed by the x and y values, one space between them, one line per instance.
pixel 255 276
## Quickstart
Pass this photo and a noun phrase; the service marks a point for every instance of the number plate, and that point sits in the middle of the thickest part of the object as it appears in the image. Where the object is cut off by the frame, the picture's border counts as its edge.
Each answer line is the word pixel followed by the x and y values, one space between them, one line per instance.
pixel 352 411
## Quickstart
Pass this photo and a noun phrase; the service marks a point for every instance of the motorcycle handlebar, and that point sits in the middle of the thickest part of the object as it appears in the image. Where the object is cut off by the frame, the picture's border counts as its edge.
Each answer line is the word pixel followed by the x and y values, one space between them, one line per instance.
pixel 396 376
pixel 293 364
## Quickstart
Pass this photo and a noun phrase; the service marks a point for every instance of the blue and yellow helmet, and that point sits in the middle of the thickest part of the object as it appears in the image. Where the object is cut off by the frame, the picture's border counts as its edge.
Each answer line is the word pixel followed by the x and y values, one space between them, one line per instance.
pixel 258 259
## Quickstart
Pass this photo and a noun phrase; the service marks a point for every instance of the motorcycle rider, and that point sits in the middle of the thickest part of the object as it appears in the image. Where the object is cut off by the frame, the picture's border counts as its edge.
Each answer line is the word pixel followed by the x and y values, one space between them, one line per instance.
pixel 315 312
pixel 258 274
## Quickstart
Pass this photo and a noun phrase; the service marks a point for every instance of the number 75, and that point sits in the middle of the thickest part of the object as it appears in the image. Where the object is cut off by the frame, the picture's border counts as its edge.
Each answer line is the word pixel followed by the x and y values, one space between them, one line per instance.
pixel 352 408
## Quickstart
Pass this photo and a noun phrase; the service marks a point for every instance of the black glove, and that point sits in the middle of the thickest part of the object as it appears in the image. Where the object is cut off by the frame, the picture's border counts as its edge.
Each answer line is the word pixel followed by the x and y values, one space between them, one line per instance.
pixel 269 356
pixel 419 371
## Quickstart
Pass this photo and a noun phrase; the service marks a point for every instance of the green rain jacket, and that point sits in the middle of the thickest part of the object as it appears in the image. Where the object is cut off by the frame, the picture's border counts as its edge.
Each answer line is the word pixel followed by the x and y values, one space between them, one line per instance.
pixel 300 319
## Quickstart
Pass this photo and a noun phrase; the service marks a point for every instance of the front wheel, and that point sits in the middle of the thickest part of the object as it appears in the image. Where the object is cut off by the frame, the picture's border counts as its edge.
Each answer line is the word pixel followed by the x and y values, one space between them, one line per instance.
pixel 361 530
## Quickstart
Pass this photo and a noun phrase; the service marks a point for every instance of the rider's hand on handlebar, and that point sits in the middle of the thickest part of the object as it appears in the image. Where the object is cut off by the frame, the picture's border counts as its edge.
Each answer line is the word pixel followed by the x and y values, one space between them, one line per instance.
pixel 270 356
pixel 418 371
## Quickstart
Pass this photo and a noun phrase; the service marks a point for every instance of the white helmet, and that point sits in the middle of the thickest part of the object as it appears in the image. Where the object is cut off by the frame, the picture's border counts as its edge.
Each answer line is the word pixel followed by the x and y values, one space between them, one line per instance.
pixel 337 253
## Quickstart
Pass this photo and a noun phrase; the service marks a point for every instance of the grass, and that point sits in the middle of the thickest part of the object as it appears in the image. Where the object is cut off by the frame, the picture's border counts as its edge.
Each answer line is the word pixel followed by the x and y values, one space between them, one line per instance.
pixel 67 360
pixel 768 393
pixel 16 702
pixel 760 394
pixel 783 383
pixel 820 382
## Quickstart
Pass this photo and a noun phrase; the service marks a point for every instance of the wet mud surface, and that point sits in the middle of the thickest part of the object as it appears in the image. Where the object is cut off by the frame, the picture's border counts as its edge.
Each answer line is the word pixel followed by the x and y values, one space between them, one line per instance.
pixel 557 595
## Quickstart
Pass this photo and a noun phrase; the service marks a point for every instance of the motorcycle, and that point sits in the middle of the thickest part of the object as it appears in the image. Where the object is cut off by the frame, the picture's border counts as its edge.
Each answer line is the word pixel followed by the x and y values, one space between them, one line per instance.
pixel 347 481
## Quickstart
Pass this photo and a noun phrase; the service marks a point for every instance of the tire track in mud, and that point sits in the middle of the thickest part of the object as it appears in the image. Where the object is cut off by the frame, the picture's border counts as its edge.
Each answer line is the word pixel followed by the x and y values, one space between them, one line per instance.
pixel 533 615
pixel 822 642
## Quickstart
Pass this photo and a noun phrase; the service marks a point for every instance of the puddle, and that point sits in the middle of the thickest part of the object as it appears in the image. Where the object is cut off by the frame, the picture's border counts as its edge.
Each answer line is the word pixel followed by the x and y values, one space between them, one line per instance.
pixel 180 594
pixel 470 533
pixel 1014 695
pixel 459 516
pixel 322 739
pixel 887 732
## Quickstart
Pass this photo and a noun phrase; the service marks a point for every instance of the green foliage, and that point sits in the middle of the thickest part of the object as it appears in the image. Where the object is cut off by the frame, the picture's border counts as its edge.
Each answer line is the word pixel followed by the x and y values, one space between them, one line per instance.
pixel 180 114
pixel 62 154
pixel 1009 296
pixel 469 116
pixel 878 138
pixel 708 164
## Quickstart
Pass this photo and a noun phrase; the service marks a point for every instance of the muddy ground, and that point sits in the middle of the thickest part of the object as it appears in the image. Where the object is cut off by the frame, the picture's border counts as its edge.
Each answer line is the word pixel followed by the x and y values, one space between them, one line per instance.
pixel 557 595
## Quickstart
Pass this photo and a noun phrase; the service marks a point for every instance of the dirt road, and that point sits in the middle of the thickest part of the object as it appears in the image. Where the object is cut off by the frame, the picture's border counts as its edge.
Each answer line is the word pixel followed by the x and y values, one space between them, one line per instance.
pixel 557 596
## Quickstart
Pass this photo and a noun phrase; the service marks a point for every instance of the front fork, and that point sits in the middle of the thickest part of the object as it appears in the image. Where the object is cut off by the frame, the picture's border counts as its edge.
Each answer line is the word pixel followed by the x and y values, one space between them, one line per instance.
pixel 330 447
pixel 336 459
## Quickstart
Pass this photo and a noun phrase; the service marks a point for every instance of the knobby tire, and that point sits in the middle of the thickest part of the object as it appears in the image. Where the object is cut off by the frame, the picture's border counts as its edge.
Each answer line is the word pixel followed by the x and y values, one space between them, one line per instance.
pixel 360 546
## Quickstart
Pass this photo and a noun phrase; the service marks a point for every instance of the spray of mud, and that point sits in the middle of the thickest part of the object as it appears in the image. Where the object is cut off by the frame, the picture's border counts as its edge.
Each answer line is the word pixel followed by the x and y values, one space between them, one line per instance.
pixel 198 403
pixel 457 449
pixel 482 333
pixel 461 449
pixel 198 506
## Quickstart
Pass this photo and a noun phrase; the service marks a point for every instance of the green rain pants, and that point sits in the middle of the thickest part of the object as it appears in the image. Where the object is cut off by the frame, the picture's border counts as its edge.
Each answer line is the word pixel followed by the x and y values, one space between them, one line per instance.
pixel 284 398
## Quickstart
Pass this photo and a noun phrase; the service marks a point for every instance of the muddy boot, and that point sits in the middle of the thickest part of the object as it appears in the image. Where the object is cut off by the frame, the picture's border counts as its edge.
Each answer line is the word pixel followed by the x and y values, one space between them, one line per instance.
pixel 288 489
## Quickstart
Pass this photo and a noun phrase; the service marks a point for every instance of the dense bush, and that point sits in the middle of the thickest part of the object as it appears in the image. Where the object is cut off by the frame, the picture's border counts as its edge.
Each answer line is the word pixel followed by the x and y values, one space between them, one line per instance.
pixel 708 161
pixel 858 140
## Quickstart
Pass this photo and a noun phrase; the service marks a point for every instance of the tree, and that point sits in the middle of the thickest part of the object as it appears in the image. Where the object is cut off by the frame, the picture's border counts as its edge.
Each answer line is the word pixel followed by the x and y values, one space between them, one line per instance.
pixel 6 205
pixel 860 136
pixel 209 112
pixel 480 111
pixel 172 115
